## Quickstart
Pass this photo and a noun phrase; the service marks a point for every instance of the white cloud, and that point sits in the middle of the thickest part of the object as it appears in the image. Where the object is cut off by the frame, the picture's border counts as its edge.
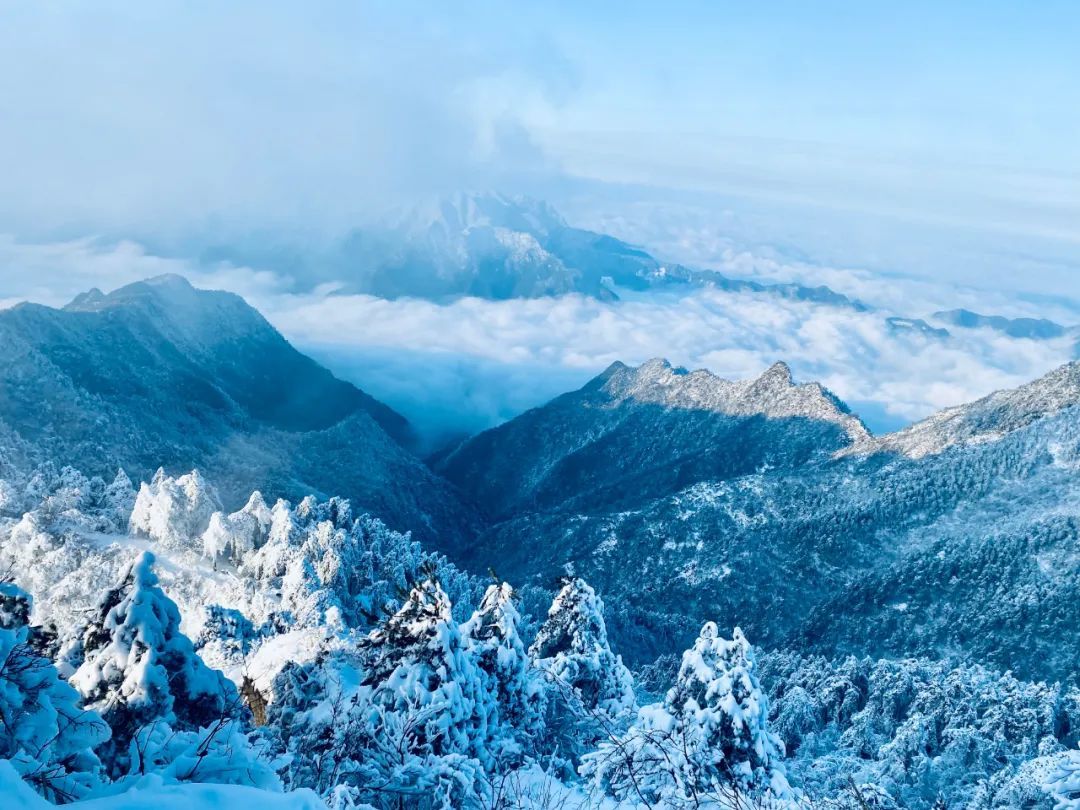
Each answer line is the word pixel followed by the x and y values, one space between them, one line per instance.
pixel 900 374
pixel 471 363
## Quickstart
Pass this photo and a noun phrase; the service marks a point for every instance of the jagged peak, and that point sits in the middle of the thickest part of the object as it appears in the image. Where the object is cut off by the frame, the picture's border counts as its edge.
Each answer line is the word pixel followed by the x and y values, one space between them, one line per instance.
pixel 774 393
pixel 168 288
pixel 87 299
pixel 778 374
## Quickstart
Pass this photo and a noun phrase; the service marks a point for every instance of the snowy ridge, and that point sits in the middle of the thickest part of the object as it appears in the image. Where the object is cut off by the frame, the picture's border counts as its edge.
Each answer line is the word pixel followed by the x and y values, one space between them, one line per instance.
pixel 774 394
pixel 456 213
pixel 985 420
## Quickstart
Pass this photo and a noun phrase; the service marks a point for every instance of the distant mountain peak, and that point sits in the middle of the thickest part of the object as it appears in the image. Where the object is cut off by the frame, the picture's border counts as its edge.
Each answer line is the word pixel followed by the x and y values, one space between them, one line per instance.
pixel 1032 328
pixel 86 300
pixel 168 288
pixel 774 394
pixel 455 214
pixel 775 377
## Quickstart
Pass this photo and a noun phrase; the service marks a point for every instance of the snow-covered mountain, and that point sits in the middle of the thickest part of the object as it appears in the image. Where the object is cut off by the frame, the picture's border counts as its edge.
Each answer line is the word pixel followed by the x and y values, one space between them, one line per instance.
pixel 913 597
pixel 161 374
pixel 483 244
pixel 766 503
pixel 1033 328
pixel 986 420
pixel 635 433
pixel 492 245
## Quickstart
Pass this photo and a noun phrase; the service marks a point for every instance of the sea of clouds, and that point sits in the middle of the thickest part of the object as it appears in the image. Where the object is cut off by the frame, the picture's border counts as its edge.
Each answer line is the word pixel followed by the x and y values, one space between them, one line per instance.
pixel 465 365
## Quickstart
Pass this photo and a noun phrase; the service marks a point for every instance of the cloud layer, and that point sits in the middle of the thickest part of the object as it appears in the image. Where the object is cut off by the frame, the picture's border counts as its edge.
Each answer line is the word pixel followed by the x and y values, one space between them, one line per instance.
pixel 469 364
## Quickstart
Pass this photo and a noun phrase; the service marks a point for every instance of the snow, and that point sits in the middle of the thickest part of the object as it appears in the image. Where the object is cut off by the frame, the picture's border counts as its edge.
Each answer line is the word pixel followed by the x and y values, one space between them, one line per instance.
pixel 773 394
pixel 153 792
pixel 986 420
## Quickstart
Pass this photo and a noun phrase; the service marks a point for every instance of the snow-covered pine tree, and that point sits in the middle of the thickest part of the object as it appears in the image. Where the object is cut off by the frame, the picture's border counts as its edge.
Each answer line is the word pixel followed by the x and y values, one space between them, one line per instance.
pixel 430 719
pixel 573 651
pixel 118 500
pixel 229 537
pixel 44 731
pixel 708 741
pixel 492 639
pixel 138 668
pixel 174 511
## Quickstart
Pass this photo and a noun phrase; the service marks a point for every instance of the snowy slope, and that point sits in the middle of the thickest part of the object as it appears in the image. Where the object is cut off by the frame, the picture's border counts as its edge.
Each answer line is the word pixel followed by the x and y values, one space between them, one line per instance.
pixel 987 419
pixel 161 374
pixel 634 433
pixel 960 541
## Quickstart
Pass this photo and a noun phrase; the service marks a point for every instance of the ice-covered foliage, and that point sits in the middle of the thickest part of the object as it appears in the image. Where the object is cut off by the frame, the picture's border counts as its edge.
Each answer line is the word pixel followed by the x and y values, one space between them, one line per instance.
pixel 707 742
pixel 492 638
pixel 64 500
pixel 228 538
pixel 589 694
pixel 418 706
pixel 572 650
pixel 44 730
pixel 403 715
pixel 221 753
pixel 172 511
pixel 918 730
pixel 138 668
pixel 283 576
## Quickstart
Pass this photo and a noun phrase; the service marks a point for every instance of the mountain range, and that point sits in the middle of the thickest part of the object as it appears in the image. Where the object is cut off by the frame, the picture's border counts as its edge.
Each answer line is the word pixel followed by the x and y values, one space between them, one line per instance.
pixel 767 504
pixel 483 244
pixel 677 494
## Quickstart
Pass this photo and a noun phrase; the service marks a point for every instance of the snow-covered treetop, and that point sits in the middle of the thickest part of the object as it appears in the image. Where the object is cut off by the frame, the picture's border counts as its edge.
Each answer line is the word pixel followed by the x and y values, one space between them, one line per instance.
pixel 572 647
pixel 15 606
pixel 137 661
pixel 774 394
pixel 717 692
pixel 496 619
pixel 173 511
pixel 421 629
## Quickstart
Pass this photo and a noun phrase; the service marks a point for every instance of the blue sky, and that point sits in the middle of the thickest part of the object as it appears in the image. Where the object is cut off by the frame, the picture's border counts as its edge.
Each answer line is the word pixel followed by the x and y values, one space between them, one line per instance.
pixel 123 115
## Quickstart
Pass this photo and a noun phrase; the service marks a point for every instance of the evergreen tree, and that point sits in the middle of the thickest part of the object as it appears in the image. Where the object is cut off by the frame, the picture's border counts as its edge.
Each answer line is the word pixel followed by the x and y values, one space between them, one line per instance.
pixel 492 639
pixel 708 741
pixel 138 668
pixel 44 730
pixel 174 511
pixel 228 538
pixel 572 649
pixel 423 696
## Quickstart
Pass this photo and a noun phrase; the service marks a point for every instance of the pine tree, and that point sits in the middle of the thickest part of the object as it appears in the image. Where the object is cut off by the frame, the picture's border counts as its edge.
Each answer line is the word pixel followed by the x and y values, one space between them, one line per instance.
pixel 118 501
pixel 708 741
pixel 424 696
pixel 138 668
pixel 44 730
pixel 492 639
pixel 228 538
pixel 572 649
